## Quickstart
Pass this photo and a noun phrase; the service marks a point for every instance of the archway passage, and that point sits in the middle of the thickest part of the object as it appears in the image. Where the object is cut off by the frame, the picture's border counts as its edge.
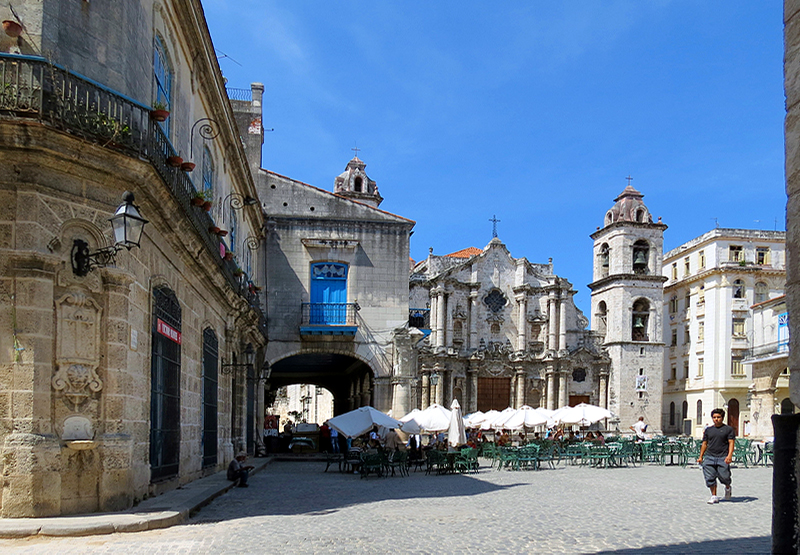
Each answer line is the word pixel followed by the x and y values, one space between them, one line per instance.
pixel 347 378
pixel 733 415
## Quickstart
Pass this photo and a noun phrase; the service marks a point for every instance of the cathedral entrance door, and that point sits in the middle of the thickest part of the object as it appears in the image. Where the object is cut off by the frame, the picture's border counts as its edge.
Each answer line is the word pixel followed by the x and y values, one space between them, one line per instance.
pixel 493 393
pixel 577 400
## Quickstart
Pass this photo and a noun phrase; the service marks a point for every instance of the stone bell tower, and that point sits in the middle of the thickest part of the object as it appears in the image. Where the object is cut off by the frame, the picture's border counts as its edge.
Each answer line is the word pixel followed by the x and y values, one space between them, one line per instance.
pixel 354 184
pixel 627 307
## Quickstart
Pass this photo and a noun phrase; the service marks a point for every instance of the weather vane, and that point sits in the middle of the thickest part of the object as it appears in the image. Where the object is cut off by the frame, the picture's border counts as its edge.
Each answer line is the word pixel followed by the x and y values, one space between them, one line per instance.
pixel 494 221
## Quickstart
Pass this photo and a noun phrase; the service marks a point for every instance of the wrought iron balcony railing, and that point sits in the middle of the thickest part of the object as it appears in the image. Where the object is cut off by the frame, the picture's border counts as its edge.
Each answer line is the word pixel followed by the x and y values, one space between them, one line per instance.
pixel 33 88
pixel 419 318
pixel 767 350
pixel 329 314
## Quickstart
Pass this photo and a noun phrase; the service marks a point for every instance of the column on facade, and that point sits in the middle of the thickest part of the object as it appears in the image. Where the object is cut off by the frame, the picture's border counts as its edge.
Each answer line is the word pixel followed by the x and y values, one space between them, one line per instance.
pixel 552 319
pixel 473 320
pixel 562 324
pixel 440 386
pixel 472 376
pixel 351 401
pixel 441 309
pixel 562 389
pixel 448 320
pixel 432 316
pixel 522 323
pixel 603 390
pixel 520 378
pixel 551 389
pixel 426 387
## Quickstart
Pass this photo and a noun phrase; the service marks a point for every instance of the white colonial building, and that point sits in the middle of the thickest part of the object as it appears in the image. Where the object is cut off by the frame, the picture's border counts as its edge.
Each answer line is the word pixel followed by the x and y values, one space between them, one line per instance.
pixel 712 283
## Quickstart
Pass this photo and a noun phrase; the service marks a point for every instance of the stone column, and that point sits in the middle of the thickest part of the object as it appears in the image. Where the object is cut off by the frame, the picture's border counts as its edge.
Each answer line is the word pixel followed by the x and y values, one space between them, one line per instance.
pixel 448 321
pixel 426 387
pixel 440 386
pixel 520 378
pixel 472 377
pixel 604 391
pixel 473 320
pixel 441 309
pixel 432 315
pixel 522 323
pixel 563 388
pixel 551 393
pixel 552 320
pixel 562 324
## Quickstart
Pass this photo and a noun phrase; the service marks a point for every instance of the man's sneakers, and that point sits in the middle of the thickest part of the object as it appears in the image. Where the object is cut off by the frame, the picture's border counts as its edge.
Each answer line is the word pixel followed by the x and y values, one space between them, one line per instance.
pixel 727 493
pixel 713 499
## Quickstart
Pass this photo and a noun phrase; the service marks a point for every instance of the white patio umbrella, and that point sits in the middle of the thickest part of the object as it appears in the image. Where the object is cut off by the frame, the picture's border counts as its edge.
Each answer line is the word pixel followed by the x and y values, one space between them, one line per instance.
pixel 435 418
pixel 504 414
pixel 524 417
pixel 583 414
pixel 456 434
pixel 361 420
pixel 488 416
pixel 474 419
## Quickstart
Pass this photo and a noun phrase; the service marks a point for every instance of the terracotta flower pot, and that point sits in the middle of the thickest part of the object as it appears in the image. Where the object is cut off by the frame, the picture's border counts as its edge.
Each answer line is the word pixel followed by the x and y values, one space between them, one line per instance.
pixel 159 115
pixel 238 273
pixel 228 256
pixel 222 233
pixel 174 161
pixel 198 201
pixel 214 229
pixel 12 28
pixel 188 166
pixel 207 205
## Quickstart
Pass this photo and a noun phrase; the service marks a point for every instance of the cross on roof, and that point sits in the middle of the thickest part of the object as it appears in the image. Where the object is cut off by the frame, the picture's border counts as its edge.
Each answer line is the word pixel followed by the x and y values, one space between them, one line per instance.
pixel 356 150
pixel 629 178
pixel 494 221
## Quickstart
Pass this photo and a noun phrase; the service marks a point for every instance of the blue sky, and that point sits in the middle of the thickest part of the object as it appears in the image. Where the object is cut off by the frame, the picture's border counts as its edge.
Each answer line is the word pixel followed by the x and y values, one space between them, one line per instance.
pixel 533 111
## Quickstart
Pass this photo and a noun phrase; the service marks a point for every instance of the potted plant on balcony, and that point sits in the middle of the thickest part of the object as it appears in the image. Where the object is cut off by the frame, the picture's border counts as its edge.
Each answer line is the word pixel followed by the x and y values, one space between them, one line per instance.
pixel 159 112
pixel 222 232
pixel 188 166
pixel 214 229
pixel 200 199
pixel 228 256
pixel 174 161
pixel 12 28
pixel 238 272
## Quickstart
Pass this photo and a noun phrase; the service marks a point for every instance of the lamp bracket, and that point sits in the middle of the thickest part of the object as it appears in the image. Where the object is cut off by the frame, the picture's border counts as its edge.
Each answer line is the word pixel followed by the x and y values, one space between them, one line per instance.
pixel 83 260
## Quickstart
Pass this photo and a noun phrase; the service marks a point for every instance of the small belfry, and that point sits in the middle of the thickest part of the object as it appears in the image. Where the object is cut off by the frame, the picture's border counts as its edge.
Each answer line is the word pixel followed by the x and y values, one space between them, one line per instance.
pixel 354 183
pixel 627 306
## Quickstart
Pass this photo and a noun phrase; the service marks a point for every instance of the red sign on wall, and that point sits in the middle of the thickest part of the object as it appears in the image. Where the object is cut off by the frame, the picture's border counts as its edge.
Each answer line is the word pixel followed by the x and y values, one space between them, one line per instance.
pixel 168 331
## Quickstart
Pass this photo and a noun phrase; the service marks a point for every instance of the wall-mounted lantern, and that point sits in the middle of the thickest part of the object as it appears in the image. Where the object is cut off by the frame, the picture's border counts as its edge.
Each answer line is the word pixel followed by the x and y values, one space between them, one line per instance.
pixel 128 226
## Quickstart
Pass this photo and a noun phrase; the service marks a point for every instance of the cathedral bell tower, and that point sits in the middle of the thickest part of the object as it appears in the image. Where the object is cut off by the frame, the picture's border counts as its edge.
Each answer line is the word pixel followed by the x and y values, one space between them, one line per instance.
pixel 627 307
pixel 354 184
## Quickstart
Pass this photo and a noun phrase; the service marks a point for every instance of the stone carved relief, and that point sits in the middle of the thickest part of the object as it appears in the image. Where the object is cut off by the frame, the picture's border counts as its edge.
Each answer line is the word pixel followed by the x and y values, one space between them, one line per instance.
pixel 78 347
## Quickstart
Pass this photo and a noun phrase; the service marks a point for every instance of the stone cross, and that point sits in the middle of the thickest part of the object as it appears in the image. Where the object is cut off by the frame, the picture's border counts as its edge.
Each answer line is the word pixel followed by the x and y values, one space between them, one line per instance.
pixel 494 221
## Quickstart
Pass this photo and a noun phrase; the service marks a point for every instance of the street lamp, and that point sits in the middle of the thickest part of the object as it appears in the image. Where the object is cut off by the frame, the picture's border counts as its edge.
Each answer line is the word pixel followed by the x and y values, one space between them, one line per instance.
pixel 127 224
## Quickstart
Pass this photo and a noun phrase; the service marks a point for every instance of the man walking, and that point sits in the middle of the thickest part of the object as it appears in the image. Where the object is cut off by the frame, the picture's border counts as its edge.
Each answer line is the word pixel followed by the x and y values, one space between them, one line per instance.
pixel 716 455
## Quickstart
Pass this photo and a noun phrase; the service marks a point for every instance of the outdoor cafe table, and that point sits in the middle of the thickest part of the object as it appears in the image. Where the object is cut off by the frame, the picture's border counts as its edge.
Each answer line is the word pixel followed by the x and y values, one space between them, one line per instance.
pixel 671 449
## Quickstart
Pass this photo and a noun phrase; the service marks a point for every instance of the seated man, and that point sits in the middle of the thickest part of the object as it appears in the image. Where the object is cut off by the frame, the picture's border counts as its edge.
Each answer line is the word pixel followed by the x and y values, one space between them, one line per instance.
pixel 237 470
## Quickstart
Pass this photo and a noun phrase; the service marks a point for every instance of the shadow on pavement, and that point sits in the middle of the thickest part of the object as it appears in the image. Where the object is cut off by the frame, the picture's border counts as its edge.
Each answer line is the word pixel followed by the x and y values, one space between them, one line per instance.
pixel 759 544
pixel 302 488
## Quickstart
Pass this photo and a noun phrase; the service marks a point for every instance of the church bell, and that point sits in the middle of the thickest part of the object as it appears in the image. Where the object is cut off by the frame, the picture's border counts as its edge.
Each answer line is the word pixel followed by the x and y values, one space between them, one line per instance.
pixel 639 259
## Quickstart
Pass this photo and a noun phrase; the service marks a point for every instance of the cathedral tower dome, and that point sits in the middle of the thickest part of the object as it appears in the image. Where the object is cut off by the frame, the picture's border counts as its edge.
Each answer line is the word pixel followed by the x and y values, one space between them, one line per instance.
pixel 628 208
pixel 354 183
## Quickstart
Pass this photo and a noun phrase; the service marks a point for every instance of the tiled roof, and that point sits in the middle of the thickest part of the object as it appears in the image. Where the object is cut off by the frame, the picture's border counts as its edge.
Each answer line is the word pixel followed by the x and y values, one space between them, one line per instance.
pixel 469 252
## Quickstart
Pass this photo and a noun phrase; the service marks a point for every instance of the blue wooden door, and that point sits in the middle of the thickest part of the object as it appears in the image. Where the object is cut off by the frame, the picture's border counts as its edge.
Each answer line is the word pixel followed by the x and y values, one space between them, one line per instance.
pixel 328 294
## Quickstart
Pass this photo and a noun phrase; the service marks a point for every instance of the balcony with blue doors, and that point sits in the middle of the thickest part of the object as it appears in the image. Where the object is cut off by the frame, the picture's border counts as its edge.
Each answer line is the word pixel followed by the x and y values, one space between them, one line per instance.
pixel 326 318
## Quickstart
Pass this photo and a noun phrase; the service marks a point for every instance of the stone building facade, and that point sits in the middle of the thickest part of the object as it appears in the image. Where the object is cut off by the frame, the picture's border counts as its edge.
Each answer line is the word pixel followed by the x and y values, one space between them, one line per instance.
pixel 712 283
pixel 627 297
pixel 126 380
pixel 337 277
pixel 501 332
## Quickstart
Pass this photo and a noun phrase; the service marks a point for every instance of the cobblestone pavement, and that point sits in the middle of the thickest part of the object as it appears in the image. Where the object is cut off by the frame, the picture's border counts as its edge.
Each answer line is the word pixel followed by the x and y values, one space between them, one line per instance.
pixel 293 507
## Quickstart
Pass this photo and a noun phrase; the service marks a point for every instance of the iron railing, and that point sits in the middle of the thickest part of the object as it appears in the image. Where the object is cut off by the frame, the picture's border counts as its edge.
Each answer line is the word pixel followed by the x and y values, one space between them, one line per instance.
pixel 419 318
pixel 329 314
pixel 245 95
pixel 766 350
pixel 32 87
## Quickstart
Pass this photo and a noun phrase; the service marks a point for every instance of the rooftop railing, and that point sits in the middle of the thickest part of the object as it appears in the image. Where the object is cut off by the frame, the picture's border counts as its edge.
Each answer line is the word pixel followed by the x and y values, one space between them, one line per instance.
pixel 31 87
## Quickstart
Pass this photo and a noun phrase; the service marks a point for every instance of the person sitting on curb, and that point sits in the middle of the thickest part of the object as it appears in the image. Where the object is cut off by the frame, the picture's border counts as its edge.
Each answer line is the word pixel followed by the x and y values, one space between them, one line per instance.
pixel 237 470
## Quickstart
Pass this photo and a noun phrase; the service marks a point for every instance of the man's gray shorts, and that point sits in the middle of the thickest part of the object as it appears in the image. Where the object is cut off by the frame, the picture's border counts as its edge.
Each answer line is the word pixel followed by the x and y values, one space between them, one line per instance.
pixel 715 468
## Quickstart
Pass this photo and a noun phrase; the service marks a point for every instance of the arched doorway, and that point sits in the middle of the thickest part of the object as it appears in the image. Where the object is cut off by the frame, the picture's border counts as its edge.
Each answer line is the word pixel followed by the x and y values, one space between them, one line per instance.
pixel 733 415
pixel 349 379
pixel 787 407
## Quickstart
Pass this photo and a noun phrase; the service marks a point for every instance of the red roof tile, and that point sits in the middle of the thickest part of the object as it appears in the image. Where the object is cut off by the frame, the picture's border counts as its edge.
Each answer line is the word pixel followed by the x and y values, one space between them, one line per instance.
pixel 469 252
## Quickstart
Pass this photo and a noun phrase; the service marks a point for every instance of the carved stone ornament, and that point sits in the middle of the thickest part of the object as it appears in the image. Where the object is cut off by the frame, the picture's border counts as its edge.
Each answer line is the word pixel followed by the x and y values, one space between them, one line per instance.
pixel 78 347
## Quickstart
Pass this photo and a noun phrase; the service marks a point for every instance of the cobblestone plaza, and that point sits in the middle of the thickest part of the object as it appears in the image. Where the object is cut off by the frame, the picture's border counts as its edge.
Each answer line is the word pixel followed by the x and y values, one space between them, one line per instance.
pixel 294 507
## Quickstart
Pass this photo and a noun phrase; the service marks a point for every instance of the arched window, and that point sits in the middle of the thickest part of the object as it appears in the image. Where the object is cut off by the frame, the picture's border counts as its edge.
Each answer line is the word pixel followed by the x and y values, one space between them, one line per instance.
pixel 738 289
pixel 699 412
pixel 641 257
pixel 640 320
pixel 640 215
pixel 761 292
pixel 672 414
pixel 162 70
pixel 609 218
pixel 685 410
pixel 601 318
pixel 234 228
pixel 358 184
